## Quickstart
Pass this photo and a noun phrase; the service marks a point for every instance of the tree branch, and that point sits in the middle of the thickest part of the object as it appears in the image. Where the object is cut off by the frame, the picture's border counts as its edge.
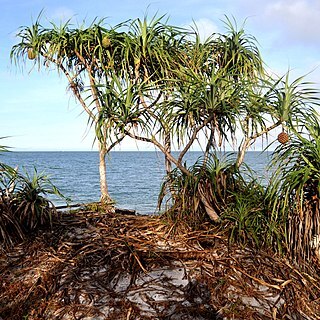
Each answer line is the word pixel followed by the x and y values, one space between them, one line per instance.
pixel 72 86
pixel 161 148
pixel 245 145
pixel 193 137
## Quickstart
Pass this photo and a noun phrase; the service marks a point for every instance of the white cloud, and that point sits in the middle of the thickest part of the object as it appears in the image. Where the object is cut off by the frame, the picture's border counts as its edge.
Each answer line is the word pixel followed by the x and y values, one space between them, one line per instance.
pixel 298 20
pixel 282 22
pixel 205 27
pixel 62 14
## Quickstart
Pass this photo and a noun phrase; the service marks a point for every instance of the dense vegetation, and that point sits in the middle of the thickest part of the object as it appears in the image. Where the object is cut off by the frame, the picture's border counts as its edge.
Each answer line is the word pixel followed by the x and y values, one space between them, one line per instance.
pixel 24 204
pixel 158 83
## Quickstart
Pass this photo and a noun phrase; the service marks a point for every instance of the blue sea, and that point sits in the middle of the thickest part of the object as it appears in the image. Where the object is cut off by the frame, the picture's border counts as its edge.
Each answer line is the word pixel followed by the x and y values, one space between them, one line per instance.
pixel 134 178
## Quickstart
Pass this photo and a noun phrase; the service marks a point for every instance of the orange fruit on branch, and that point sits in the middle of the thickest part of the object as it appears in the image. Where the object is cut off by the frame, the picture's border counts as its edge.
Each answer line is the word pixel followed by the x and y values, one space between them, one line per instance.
pixel 106 42
pixel 283 137
pixel 31 54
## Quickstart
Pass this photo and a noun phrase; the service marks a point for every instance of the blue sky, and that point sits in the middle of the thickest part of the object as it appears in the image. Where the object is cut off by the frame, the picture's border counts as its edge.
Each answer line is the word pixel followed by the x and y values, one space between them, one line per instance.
pixel 36 111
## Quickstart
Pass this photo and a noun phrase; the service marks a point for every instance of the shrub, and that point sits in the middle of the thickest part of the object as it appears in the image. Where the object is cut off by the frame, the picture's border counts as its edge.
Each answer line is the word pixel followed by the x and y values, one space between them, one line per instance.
pixel 205 193
pixel 293 196
pixel 245 218
pixel 23 206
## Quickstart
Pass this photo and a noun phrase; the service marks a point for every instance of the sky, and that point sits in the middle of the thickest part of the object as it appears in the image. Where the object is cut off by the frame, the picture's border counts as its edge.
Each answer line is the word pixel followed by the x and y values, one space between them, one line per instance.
pixel 37 113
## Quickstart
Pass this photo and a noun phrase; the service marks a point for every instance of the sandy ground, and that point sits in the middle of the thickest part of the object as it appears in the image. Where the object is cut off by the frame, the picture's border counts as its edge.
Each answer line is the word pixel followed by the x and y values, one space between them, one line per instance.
pixel 99 266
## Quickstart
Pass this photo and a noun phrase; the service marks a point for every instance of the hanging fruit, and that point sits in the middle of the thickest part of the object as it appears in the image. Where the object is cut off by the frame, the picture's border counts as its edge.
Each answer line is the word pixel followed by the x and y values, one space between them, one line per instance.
pixel 283 137
pixel 31 54
pixel 106 43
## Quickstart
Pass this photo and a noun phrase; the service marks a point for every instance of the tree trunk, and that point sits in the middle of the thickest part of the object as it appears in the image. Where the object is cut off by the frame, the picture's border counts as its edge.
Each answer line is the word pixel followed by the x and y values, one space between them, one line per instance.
pixel 105 197
pixel 168 163
pixel 168 151
pixel 242 152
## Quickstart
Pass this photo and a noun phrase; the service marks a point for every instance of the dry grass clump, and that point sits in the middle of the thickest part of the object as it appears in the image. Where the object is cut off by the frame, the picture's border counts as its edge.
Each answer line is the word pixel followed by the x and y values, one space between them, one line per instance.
pixel 109 266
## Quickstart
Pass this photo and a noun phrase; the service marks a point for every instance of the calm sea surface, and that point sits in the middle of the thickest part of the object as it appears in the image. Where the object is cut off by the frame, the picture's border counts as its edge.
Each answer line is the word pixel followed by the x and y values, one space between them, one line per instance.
pixel 134 178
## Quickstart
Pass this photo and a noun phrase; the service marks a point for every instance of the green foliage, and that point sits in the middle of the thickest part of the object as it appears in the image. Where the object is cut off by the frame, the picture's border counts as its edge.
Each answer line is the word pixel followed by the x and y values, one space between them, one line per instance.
pixel 10 227
pixel 182 85
pixel 247 221
pixel 23 206
pixel 245 217
pixel 208 189
pixel 98 207
pixel 162 84
pixel 293 196
pixel 32 208
pixel 3 148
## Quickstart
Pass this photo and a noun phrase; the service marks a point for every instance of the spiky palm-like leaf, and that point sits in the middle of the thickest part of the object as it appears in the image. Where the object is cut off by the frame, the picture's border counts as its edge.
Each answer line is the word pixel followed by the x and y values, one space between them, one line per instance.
pixel 294 191
pixel 205 192
pixel 23 203
pixel 245 218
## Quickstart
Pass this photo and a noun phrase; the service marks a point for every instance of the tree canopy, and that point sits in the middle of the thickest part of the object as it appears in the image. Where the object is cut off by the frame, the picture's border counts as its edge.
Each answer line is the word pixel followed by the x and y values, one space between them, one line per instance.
pixel 152 81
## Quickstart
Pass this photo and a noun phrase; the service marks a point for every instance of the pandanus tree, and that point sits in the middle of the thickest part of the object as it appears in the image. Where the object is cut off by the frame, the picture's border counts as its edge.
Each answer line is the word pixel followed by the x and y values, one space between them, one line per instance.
pixel 192 85
pixel 145 81
pixel 184 87
pixel 83 55
pixel 151 83
pixel 215 80
pixel 109 73
pixel 293 194
pixel 161 84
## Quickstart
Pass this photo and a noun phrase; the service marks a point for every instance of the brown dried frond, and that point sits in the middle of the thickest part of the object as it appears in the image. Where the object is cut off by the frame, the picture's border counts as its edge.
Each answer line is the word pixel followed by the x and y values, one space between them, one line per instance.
pixel 111 266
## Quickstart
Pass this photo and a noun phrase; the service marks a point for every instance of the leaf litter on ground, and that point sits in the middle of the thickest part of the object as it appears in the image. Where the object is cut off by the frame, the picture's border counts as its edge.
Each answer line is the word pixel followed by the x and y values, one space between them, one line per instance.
pixel 94 265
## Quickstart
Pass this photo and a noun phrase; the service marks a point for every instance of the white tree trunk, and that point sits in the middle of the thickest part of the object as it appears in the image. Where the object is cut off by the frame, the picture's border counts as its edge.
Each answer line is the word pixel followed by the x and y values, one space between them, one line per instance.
pixel 105 197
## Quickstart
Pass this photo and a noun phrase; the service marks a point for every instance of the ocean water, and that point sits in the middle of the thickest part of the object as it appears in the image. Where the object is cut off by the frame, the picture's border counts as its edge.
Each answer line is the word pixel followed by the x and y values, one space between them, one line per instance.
pixel 134 178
